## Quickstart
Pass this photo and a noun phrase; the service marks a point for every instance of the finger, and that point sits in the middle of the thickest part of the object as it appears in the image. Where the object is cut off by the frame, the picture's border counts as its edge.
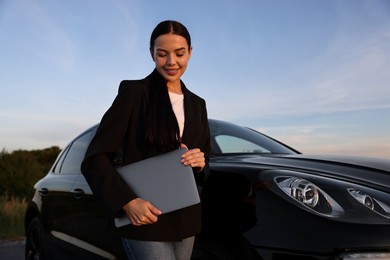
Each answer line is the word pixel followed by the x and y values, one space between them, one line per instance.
pixel 193 157
pixel 192 154
pixel 142 213
pixel 195 162
pixel 136 221
pixel 144 219
pixel 200 163
pixel 154 210
pixel 147 219
pixel 150 214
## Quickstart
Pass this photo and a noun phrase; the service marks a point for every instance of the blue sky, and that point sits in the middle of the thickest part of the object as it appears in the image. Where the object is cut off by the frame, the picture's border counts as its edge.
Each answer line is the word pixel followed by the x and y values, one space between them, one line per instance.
pixel 311 73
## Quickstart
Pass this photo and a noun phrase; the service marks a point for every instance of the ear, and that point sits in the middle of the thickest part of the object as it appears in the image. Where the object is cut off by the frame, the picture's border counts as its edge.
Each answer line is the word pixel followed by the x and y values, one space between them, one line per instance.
pixel 190 51
pixel 151 53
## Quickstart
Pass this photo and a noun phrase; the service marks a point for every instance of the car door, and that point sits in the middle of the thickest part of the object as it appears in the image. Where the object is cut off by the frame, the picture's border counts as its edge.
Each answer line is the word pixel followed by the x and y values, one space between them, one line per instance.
pixel 54 191
pixel 85 221
pixel 70 210
pixel 94 228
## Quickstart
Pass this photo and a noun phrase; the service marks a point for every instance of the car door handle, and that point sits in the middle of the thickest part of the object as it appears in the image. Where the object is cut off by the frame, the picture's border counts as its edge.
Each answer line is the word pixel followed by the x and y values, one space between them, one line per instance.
pixel 78 193
pixel 43 191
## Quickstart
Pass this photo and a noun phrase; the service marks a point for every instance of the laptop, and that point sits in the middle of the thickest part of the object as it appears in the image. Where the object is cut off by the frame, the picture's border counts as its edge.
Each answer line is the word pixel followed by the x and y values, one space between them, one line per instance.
pixel 162 180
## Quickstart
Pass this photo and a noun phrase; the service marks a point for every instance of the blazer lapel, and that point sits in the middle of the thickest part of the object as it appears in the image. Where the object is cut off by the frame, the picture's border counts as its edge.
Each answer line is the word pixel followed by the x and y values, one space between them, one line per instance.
pixel 188 111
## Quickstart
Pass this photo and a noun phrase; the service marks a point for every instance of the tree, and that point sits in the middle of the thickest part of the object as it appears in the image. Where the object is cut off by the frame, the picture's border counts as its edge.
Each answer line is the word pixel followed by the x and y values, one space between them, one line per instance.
pixel 20 169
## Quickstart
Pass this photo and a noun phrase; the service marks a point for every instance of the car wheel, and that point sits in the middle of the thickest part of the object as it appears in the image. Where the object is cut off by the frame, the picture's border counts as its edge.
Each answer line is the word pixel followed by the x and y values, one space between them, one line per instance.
pixel 35 244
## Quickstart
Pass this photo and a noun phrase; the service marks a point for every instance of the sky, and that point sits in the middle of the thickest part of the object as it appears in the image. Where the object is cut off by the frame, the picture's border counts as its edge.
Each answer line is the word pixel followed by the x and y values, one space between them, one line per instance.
pixel 314 74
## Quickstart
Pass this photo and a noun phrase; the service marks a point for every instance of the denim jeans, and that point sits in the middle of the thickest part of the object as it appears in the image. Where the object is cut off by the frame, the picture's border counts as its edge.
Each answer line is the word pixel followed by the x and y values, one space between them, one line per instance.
pixel 151 250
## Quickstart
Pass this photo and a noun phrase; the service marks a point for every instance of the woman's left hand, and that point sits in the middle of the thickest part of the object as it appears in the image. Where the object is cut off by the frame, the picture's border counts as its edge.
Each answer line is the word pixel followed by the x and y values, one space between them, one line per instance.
pixel 193 157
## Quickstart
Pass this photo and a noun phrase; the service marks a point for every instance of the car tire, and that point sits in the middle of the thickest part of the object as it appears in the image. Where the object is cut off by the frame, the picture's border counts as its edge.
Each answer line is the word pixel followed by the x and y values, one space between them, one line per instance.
pixel 35 242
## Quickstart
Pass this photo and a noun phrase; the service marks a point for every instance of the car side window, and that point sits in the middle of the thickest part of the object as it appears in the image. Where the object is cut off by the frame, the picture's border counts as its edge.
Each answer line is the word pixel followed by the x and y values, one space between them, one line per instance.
pixel 232 144
pixel 57 167
pixel 75 155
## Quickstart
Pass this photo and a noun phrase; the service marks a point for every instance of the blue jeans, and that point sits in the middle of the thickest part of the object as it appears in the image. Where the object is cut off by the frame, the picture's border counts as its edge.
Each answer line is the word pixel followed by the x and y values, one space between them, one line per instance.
pixel 151 250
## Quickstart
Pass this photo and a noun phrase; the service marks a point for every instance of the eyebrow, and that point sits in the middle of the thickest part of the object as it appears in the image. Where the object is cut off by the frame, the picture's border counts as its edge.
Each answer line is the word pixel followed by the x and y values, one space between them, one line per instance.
pixel 179 49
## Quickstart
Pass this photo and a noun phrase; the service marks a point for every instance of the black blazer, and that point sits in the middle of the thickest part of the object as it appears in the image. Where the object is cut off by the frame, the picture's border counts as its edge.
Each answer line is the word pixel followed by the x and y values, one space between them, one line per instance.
pixel 123 128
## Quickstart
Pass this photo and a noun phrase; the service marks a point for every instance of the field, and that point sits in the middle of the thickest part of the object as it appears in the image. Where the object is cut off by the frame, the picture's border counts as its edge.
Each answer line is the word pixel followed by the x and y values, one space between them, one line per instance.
pixel 11 217
pixel 19 171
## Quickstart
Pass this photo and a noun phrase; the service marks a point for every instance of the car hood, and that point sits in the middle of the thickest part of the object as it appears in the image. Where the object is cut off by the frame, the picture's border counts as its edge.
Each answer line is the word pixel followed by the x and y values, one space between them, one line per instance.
pixel 353 168
pixel 367 162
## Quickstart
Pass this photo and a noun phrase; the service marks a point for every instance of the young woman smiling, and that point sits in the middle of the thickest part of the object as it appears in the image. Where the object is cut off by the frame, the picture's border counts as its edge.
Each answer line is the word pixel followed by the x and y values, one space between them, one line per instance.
pixel 149 117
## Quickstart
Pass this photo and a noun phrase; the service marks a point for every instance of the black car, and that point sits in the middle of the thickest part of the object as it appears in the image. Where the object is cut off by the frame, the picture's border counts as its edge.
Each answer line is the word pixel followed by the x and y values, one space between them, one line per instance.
pixel 262 200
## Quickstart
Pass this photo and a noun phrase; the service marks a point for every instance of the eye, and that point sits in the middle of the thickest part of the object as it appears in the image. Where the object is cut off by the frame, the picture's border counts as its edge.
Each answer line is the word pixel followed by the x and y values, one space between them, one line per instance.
pixel 161 54
pixel 180 54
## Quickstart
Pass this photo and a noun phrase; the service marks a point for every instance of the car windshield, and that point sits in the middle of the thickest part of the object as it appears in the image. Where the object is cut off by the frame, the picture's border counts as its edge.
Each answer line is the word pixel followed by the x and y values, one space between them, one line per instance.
pixel 228 139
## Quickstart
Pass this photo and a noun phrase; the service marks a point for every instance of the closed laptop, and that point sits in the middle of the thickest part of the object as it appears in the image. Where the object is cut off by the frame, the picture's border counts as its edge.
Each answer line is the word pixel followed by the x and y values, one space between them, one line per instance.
pixel 162 180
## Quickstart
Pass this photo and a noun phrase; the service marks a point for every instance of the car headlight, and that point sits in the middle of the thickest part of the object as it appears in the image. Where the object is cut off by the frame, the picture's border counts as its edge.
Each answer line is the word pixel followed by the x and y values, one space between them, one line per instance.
pixel 305 192
pixel 362 198
pixel 309 195
pixel 331 198
pixel 372 203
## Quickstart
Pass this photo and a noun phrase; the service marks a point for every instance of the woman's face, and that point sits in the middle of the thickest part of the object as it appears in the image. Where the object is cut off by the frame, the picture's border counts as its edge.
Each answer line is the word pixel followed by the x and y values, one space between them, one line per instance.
pixel 171 55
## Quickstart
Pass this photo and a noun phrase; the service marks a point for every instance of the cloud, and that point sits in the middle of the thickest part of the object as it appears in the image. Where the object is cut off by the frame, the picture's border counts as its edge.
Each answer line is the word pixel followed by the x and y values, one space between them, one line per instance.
pixel 331 139
pixel 351 75
pixel 52 43
pixel 19 130
pixel 62 62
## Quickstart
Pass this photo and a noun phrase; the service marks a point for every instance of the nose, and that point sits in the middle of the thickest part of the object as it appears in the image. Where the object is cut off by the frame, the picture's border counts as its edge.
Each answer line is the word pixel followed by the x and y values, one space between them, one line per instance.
pixel 171 59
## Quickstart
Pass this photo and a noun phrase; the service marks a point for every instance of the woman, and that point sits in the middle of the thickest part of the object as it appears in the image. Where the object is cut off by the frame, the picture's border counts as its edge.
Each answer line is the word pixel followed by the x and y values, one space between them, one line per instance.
pixel 147 118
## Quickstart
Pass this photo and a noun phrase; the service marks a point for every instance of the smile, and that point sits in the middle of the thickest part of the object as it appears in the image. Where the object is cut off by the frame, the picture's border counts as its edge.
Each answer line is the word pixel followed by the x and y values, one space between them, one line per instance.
pixel 171 71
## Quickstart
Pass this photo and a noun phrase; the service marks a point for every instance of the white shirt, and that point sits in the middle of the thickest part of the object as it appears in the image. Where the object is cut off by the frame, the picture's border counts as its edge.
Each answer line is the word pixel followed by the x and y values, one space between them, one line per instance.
pixel 177 101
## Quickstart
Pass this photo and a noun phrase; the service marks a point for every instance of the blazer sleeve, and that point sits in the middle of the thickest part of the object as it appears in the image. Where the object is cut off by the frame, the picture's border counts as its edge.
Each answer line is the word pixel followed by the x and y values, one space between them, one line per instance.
pixel 97 168
pixel 197 131
pixel 205 146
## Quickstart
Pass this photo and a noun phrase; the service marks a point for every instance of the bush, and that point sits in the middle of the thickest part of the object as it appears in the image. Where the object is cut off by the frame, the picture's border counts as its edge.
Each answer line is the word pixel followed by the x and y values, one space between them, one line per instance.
pixel 12 217
pixel 20 169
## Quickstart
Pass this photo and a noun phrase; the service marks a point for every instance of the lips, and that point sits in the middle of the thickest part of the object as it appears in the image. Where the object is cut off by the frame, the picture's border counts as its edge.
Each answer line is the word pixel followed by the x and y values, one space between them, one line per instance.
pixel 171 72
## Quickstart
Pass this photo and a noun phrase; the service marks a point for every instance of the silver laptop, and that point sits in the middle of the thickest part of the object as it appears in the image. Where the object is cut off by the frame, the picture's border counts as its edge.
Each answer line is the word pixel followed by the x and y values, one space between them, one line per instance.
pixel 162 180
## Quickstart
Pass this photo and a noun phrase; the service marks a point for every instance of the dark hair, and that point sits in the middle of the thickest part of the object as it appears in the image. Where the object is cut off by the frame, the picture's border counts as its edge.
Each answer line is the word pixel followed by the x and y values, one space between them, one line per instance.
pixel 162 129
pixel 170 26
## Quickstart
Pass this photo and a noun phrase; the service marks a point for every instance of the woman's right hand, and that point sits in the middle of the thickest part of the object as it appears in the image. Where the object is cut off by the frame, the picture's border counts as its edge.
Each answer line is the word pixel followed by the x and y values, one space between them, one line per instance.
pixel 141 212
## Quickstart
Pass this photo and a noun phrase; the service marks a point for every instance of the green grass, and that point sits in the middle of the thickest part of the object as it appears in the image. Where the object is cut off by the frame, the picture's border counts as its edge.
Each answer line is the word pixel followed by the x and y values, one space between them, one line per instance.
pixel 12 217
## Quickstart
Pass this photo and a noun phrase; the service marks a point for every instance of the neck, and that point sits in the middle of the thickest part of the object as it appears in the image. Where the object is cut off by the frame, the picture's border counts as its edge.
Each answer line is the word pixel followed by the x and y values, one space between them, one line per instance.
pixel 174 88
